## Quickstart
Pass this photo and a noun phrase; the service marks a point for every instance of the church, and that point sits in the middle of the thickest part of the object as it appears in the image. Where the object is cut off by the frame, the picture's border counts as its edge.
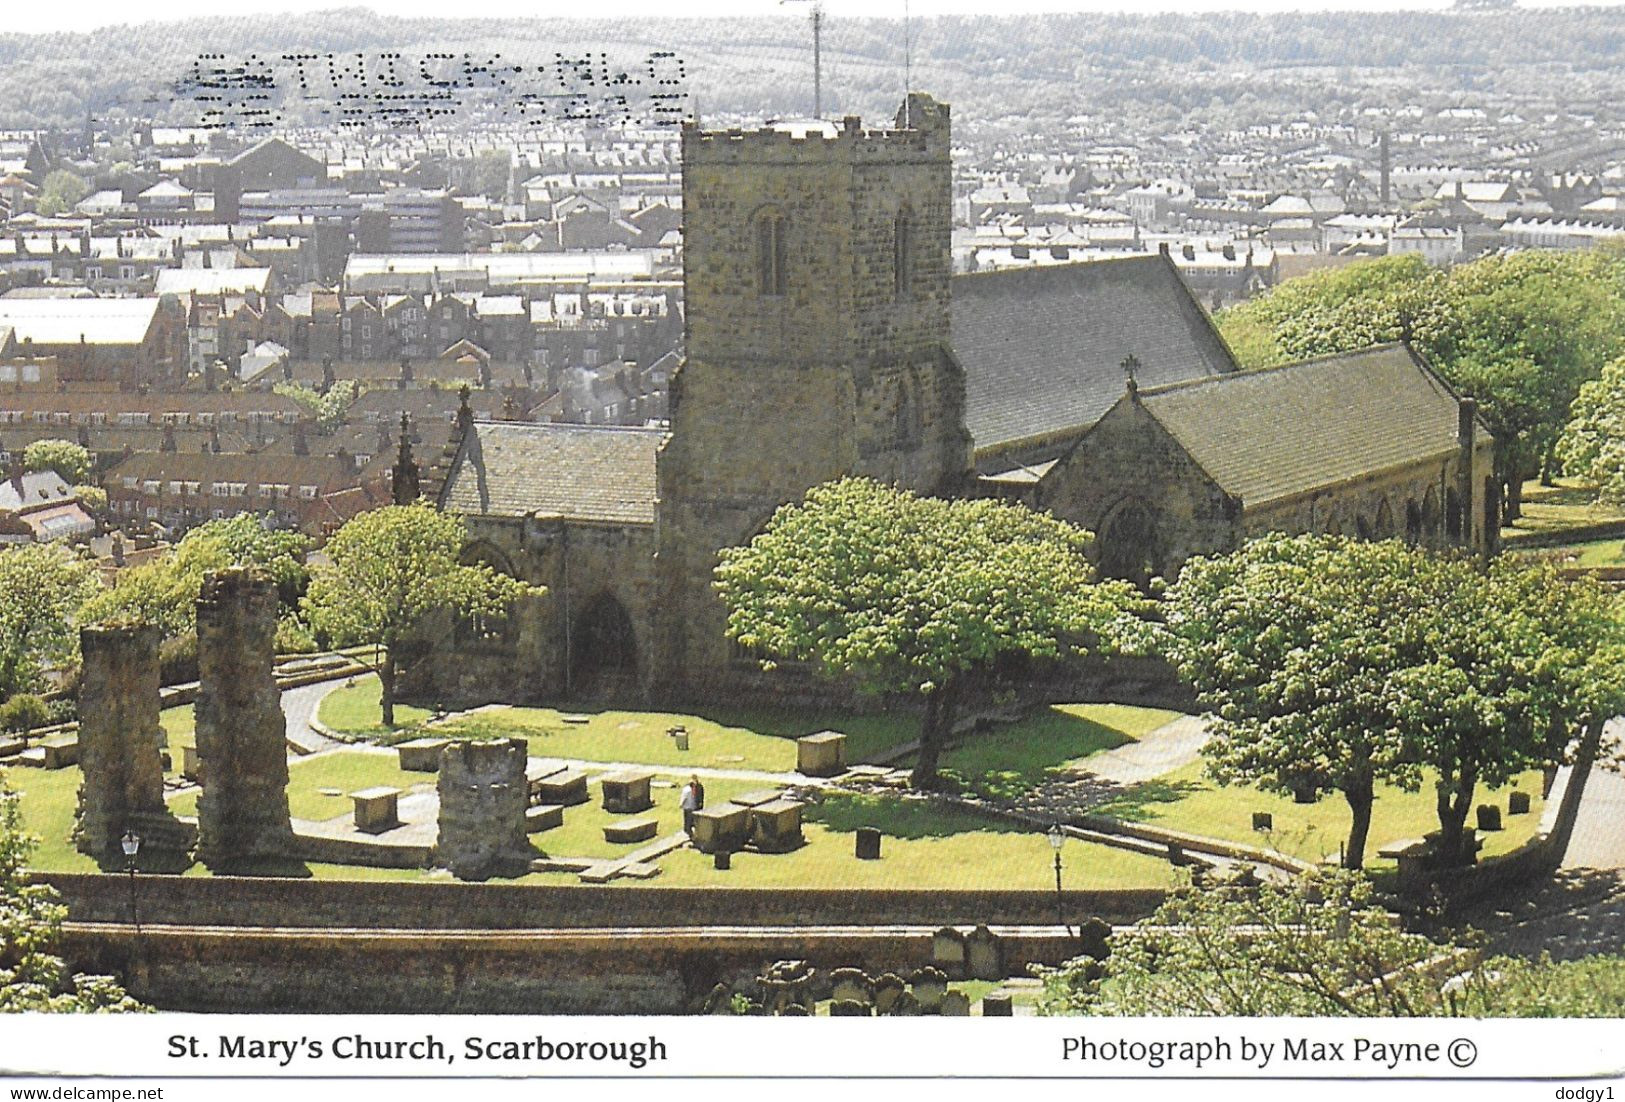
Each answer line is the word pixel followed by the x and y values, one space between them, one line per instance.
pixel 827 336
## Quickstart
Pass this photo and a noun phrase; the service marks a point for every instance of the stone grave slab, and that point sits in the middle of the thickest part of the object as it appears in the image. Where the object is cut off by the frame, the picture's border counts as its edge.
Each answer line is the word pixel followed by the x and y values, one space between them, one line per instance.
pixel 721 829
pixel 631 830
pixel 543 817
pixel 754 799
pixel 421 755
pixel 775 826
pixel 821 755
pixel 377 809
pixel 627 793
pixel 567 787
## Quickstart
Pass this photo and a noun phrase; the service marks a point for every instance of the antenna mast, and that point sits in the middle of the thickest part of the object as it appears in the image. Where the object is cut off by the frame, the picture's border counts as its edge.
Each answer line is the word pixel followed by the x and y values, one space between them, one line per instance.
pixel 817 20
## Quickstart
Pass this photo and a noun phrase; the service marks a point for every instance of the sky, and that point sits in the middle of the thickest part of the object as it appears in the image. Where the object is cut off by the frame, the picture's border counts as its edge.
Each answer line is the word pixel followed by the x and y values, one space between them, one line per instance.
pixel 89 14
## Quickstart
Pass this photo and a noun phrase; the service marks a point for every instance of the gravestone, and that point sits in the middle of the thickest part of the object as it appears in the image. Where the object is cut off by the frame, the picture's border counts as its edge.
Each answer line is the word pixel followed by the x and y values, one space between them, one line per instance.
pixel 948 952
pixel 1489 817
pixel 1263 820
pixel 905 1006
pixel 889 987
pixel 928 988
pixel 852 985
pixel 997 1004
pixel 1518 803
pixel 984 955
pixel 376 809
pixel 483 798
pixel 119 747
pixel 421 755
pixel 242 814
pixel 627 793
pixel 721 829
pixel 868 844
pixel 775 826
pixel 955 1004
pixel 821 755
pixel 847 1008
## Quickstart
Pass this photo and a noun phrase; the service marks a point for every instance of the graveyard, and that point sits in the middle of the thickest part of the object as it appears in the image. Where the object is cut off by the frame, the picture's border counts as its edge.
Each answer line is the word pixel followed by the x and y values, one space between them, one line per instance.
pixel 751 757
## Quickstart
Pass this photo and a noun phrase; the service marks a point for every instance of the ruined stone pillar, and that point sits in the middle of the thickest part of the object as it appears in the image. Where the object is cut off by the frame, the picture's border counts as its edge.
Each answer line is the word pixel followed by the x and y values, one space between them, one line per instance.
pixel 241 733
pixel 120 748
pixel 483 796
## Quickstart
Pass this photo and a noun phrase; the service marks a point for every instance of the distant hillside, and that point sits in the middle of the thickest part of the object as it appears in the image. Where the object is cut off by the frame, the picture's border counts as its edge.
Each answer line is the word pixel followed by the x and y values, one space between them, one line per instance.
pixel 987 66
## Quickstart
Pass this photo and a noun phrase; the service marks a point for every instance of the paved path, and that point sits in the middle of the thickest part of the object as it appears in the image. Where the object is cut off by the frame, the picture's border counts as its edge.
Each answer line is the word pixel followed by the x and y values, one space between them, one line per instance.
pixel 1598 841
pixel 299 706
pixel 1174 744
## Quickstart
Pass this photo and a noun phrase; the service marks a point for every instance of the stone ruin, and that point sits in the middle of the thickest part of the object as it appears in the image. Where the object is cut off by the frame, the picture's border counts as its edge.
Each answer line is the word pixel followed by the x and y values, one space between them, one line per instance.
pixel 483 797
pixel 121 748
pixel 243 819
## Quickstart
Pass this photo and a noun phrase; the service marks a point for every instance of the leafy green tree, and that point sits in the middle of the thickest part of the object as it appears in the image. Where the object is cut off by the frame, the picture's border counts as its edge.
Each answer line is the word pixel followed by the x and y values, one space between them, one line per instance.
pixel 1290 642
pixel 59 191
pixel 23 712
pixel 32 977
pixel 909 594
pixel 164 592
pixel 392 569
pixel 1522 662
pixel 327 408
pixel 92 498
pixel 1315 946
pixel 72 461
pixel 1592 444
pixel 43 588
pixel 1592 987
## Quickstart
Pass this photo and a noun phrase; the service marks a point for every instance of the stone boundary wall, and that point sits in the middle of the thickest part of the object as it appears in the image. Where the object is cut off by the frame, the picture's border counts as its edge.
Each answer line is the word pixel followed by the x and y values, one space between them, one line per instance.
pixel 663 971
pixel 253 901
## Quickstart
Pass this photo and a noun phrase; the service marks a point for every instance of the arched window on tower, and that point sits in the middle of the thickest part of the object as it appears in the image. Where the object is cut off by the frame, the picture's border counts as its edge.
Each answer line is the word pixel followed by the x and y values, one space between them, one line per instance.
pixel 770 252
pixel 902 254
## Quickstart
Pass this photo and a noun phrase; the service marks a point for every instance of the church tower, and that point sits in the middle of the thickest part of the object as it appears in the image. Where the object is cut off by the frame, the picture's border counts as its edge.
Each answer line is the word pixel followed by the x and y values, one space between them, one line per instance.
pixel 816 268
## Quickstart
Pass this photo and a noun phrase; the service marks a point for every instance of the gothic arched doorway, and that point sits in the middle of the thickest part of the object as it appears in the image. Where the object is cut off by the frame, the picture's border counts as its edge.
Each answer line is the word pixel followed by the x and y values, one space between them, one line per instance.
pixel 603 645
pixel 1128 543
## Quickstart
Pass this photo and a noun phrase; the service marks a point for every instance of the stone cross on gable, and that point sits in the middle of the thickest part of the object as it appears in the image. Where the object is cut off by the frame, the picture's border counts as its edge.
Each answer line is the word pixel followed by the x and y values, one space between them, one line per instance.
pixel 1130 365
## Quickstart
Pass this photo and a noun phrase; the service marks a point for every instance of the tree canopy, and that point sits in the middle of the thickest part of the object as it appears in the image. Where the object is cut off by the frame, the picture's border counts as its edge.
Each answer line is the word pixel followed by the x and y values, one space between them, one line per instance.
pixel 1521 333
pixel 1316 946
pixel 42 588
pixel 164 592
pixel 391 570
pixel 32 977
pixel 1337 663
pixel 72 461
pixel 910 594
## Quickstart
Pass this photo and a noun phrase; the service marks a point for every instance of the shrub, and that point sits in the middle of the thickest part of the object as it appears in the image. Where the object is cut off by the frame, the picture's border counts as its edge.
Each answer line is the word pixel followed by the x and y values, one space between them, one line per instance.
pixel 23 713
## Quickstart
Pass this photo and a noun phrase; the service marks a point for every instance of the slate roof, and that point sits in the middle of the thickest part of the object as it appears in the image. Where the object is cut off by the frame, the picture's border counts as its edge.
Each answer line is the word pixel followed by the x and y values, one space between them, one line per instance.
pixel 1265 435
pixel 580 472
pixel 1043 347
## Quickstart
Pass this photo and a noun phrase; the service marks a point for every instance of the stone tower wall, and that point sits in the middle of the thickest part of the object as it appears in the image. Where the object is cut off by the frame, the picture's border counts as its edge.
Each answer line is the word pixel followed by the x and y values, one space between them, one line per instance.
pixel 840 375
pixel 483 796
pixel 120 743
pixel 241 733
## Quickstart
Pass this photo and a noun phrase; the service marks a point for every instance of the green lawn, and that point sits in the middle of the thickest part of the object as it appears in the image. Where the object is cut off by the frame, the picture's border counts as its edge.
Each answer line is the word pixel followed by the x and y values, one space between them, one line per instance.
pixel 180 729
pixel 345 771
pixel 1569 504
pixel 353 710
pixel 1186 800
pixel 757 739
pixel 1017 756
pixel 922 847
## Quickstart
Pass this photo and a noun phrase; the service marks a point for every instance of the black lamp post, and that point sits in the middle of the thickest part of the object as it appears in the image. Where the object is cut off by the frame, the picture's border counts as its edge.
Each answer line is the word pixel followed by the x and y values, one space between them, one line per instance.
pixel 1056 837
pixel 131 845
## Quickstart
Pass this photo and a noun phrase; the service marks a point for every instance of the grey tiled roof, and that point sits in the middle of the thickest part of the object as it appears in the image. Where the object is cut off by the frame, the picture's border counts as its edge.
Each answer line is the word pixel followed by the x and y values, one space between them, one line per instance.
pixel 1263 435
pixel 581 472
pixel 1043 347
